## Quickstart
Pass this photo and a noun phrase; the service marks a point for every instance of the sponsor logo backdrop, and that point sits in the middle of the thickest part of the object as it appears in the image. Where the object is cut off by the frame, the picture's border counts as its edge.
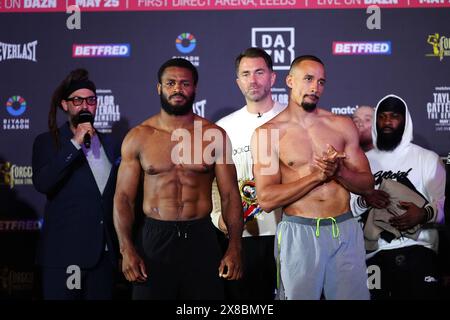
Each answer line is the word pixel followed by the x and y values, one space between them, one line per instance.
pixel 123 49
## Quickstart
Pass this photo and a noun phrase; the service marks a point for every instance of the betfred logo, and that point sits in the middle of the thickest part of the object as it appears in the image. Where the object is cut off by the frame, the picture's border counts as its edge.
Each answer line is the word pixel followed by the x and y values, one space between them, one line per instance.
pixel 101 50
pixel 361 48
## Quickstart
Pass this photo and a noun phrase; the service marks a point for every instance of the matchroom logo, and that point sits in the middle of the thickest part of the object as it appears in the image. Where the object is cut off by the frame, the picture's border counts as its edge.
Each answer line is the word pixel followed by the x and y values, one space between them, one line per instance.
pixel 279 43
pixel 361 48
pixel 121 50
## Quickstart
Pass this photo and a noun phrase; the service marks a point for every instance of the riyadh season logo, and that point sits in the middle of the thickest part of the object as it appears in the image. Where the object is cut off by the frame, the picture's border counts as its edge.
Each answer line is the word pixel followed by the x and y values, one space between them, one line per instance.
pixel 185 43
pixel 16 107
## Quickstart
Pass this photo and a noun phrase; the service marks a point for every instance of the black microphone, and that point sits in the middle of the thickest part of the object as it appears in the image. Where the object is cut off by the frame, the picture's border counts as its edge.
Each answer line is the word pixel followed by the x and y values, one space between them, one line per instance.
pixel 259 114
pixel 87 140
pixel 85 116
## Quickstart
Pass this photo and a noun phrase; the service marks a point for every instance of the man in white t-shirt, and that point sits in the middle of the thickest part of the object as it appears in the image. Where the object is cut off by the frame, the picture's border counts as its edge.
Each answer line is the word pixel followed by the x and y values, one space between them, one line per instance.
pixel 255 77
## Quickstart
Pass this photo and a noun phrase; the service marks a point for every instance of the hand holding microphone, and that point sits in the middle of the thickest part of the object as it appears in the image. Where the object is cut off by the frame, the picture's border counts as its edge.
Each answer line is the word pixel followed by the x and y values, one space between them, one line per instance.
pixel 84 129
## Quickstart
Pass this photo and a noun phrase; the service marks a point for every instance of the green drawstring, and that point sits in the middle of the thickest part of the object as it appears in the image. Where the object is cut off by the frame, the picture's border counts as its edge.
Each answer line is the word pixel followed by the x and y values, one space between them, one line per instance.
pixel 334 227
pixel 278 260
pixel 317 227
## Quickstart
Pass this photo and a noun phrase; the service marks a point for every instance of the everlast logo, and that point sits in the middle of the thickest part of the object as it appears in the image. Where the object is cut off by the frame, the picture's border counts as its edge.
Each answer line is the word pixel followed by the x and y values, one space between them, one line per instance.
pixel 391 175
pixel 25 51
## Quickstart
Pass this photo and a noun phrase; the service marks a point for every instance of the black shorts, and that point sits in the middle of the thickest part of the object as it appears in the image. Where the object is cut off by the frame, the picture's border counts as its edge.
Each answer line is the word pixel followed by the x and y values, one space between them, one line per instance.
pixel 182 260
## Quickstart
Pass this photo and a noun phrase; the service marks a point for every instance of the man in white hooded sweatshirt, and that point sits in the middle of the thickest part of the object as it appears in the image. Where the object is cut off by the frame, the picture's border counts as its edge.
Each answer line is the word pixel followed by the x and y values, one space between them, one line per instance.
pixel 408 265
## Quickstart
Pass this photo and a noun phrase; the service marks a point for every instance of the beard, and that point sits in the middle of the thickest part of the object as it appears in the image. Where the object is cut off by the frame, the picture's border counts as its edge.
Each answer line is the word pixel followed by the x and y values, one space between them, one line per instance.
pixel 389 141
pixel 308 106
pixel 179 110
pixel 258 96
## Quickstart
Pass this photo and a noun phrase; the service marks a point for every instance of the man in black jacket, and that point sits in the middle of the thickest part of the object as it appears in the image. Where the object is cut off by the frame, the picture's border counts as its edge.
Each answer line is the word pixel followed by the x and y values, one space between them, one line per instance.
pixel 75 167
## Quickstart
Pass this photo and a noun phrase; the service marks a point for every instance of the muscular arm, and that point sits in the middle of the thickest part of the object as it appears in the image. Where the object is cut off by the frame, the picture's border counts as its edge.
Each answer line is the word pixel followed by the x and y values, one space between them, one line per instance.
pixel 354 171
pixel 124 200
pixel 216 213
pixel 225 172
pixel 230 201
pixel 271 192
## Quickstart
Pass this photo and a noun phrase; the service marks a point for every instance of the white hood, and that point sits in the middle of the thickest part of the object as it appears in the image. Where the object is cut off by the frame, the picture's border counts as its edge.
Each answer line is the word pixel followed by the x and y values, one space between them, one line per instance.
pixel 407 133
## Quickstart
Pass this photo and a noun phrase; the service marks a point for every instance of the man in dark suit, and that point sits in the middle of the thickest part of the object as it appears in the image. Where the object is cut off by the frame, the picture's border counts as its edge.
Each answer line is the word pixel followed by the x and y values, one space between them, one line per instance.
pixel 76 167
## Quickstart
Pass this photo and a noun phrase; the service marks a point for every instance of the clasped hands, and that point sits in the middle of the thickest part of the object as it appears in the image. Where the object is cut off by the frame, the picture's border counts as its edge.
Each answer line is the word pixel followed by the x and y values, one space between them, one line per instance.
pixel 328 163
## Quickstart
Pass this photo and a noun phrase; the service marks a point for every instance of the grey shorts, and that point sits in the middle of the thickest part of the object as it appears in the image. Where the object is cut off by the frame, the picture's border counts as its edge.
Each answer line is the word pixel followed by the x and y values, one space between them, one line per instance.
pixel 321 255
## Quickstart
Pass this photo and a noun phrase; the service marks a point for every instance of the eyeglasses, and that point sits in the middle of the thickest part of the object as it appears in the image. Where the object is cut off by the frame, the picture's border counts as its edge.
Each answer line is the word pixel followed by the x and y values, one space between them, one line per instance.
pixel 78 101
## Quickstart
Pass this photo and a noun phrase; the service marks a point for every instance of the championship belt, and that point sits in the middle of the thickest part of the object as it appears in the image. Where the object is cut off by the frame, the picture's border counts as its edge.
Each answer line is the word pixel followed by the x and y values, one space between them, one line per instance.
pixel 250 205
